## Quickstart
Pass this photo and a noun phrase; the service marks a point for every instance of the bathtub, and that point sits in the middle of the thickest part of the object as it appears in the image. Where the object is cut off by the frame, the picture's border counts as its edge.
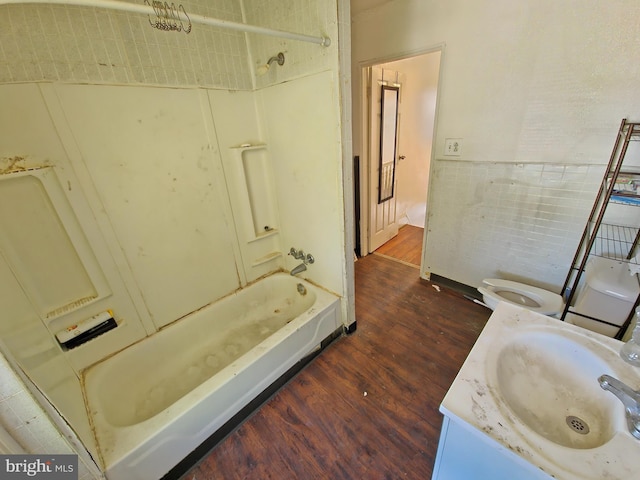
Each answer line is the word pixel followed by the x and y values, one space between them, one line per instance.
pixel 156 401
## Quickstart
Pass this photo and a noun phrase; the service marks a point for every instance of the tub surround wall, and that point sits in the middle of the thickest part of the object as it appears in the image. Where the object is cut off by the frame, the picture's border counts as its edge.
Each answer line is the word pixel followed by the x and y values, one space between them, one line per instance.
pixel 32 347
pixel 240 141
pixel 28 338
pixel 303 147
pixel 159 181
pixel 157 188
pixel 521 82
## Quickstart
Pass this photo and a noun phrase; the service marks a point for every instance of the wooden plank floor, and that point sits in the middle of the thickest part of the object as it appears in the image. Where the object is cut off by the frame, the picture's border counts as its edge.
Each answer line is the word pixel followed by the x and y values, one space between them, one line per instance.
pixel 366 407
pixel 406 246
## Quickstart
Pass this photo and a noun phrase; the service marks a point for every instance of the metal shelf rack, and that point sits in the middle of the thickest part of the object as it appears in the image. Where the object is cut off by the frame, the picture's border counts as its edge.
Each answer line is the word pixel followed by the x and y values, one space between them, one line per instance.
pixel 600 239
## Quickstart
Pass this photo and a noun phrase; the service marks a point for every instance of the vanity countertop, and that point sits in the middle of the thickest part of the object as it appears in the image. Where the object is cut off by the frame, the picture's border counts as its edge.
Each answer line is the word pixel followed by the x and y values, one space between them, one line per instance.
pixel 476 401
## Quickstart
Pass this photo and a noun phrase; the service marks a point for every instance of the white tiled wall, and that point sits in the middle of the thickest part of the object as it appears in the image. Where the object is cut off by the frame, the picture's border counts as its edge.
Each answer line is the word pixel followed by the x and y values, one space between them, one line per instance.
pixel 310 17
pixel 28 424
pixel 515 221
pixel 91 45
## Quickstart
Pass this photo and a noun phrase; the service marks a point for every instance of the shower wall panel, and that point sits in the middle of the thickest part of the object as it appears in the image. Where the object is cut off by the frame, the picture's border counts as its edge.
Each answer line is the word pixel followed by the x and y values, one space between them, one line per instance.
pixel 38 247
pixel 154 162
pixel 302 130
pixel 32 347
pixel 239 132
pixel 70 275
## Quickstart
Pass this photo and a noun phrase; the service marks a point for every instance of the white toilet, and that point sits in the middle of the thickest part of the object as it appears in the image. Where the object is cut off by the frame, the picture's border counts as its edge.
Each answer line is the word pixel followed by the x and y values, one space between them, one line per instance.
pixel 495 290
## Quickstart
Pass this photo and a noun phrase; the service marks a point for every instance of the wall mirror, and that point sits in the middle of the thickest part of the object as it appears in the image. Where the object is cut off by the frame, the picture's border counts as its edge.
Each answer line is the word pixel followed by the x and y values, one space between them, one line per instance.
pixel 388 141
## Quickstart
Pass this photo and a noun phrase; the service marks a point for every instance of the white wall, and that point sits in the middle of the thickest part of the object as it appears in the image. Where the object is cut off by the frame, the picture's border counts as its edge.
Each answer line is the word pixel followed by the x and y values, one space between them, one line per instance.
pixel 535 82
pixel 154 162
pixel 309 184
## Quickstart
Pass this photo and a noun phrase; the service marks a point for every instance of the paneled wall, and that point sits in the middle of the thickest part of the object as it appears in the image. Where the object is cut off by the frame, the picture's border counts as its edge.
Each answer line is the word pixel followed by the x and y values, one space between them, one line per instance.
pixel 153 159
pixel 302 150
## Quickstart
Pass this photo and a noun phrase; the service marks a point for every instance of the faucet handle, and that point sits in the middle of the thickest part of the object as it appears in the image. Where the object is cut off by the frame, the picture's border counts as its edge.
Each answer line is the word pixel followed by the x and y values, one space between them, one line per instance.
pixel 630 399
pixel 300 255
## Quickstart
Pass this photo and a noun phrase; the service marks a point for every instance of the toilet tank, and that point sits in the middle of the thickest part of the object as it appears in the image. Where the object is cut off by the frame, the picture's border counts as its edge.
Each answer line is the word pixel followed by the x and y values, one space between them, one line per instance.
pixel 609 292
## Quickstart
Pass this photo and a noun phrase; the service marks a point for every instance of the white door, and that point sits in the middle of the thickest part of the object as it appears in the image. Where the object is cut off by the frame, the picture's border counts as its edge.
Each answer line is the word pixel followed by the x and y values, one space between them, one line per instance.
pixel 383 224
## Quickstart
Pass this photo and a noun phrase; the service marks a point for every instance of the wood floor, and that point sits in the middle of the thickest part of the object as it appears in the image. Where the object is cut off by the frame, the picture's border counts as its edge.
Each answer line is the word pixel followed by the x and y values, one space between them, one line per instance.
pixel 406 246
pixel 367 406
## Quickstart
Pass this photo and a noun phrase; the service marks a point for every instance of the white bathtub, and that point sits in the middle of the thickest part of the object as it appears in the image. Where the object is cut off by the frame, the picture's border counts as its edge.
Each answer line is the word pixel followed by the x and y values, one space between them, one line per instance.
pixel 156 401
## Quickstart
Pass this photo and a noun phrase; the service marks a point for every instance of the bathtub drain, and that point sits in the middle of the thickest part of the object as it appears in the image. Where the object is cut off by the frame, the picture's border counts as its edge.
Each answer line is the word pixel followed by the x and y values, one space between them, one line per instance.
pixel 577 425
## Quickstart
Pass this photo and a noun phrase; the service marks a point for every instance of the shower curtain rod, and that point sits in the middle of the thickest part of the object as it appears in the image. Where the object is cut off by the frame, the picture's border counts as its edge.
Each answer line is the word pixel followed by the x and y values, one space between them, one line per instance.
pixel 214 22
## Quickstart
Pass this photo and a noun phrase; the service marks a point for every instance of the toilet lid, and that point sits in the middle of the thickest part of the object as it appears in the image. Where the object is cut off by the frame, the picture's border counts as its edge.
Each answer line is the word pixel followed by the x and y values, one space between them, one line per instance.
pixel 549 303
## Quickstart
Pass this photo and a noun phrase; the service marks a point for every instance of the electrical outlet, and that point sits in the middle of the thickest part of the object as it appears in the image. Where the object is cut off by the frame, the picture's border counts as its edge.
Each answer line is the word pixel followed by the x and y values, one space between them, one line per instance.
pixel 453 147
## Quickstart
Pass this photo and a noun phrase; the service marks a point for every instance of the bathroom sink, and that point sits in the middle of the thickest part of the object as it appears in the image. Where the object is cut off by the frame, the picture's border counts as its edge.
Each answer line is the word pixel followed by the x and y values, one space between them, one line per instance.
pixel 549 382
pixel 528 396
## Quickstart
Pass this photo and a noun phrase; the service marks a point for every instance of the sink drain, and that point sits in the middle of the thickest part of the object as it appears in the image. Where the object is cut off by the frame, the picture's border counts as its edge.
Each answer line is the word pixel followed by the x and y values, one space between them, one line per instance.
pixel 577 425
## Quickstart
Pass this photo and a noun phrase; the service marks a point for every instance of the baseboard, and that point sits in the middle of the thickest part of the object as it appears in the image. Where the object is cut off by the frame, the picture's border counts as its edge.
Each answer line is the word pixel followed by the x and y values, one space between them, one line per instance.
pixel 457 286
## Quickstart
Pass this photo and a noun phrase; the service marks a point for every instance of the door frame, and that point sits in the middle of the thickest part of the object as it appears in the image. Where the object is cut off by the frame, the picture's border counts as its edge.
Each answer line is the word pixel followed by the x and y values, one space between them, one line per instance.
pixel 365 161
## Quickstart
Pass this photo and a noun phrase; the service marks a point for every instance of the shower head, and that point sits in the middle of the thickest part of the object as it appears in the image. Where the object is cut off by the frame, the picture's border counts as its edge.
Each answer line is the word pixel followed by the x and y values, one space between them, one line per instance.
pixel 262 69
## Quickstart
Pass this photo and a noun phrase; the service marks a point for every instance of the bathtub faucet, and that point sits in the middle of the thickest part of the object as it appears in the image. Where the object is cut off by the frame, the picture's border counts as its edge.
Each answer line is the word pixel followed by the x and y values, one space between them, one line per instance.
pixel 630 399
pixel 307 259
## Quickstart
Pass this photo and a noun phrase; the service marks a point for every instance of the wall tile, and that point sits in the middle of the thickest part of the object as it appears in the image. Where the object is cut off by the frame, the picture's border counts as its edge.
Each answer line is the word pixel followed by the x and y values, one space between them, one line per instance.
pixel 28 424
pixel 310 17
pixel 91 45
pixel 517 221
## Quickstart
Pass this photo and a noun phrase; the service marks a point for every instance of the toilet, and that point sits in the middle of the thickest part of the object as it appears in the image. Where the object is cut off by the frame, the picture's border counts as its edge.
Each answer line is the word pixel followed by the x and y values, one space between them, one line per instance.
pixel 495 290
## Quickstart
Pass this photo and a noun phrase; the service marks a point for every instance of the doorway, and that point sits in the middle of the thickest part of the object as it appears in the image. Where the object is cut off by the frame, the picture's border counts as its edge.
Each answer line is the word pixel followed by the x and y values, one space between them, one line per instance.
pixel 419 76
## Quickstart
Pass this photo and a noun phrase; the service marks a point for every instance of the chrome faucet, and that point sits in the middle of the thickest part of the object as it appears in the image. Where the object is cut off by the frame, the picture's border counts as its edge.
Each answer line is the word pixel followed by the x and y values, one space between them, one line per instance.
pixel 630 399
pixel 300 268
pixel 300 255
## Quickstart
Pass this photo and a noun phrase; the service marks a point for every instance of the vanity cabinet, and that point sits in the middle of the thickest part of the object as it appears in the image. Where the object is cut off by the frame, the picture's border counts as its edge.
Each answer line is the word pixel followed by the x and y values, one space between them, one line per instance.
pixel 465 452
pixel 609 234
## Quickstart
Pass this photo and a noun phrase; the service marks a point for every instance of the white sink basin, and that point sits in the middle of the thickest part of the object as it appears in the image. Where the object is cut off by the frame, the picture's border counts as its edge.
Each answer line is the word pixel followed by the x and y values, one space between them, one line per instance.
pixel 550 383
pixel 530 387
